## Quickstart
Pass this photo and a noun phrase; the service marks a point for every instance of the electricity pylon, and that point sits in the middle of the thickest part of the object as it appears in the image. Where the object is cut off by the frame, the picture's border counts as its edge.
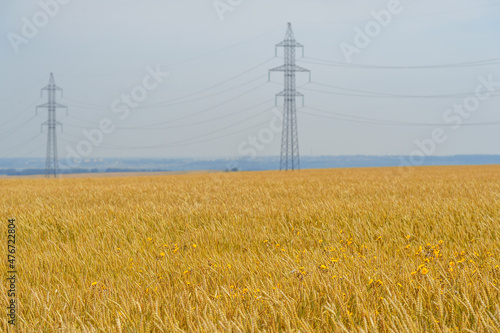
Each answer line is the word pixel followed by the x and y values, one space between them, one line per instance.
pixel 289 134
pixel 51 163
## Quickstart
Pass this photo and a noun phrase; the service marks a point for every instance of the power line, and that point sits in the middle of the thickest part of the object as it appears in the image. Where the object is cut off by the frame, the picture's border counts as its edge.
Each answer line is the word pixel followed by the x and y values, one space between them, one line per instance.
pixel 155 125
pixel 385 122
pixel 20 146
pixel 161 105
pixel 19 114
pixel 81 119
pixel 349 118
pixel 216 106
pixel 14 129
pixel 150 127
pixel 3 99
pixel 215 85
pixel 330 63
pixel 171 101
pixel 37 148
pixel 203 55
pixel 183 144
pixel 198 112
pixel 209 133
pixel 364 93
pixel 186 141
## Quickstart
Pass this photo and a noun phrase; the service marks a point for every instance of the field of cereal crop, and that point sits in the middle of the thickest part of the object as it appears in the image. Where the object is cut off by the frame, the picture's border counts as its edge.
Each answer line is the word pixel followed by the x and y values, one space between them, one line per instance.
pixel 353 250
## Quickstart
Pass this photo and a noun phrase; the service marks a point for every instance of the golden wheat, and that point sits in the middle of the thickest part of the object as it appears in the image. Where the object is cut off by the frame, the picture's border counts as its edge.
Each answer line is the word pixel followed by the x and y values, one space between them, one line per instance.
pixel 365 250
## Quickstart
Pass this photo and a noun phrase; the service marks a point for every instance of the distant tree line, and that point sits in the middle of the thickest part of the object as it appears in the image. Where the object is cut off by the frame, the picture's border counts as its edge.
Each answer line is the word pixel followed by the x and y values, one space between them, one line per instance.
pixel 29 172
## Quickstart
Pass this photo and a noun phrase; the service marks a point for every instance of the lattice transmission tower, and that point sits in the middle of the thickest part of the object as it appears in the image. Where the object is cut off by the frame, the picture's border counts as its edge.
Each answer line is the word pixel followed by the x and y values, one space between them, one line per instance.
pixel 51 163
pixel 289 134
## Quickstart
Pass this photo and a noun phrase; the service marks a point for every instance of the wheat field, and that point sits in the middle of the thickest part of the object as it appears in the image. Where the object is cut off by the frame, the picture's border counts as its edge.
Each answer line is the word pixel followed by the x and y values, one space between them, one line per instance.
pixel 343 250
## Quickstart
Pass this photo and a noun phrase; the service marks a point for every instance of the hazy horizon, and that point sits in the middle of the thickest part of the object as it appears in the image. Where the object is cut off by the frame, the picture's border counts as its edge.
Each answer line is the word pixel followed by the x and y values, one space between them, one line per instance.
pixel 216 95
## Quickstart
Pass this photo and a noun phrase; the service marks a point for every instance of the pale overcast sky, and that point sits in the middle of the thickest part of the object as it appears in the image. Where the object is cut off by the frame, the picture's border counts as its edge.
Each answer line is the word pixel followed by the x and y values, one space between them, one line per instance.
pixel 217 55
